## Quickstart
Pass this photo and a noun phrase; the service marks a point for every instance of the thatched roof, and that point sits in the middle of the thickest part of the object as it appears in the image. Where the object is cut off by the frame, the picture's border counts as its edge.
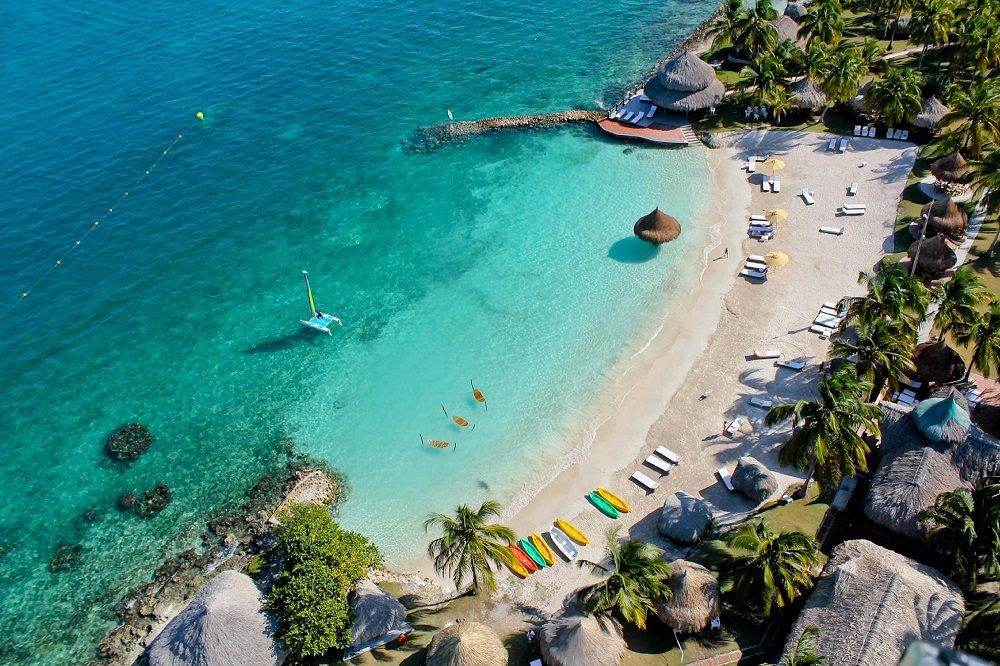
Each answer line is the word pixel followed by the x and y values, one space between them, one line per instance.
pixel 224 625
pixel 681 101
pixel 936 255
pixel 696 600
pixel 953 393
pixel 685 83
pixel 936 361
pixel 754 479
pixel 466 644
pixel 942 420
pixel 582 640
pixel 378 619
pixel 684 518
pixel 903 24
pixel 931 114
pixel 796 10
pixel 787 28
pixel 951 168
pixel 858 103
pixel 943 217
pixel 657 227
pixel 870 603
pixel 977 456
pixel 807 94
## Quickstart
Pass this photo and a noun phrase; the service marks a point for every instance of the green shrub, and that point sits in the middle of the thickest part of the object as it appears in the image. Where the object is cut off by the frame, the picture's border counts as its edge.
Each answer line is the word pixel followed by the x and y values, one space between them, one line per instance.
pixel 309 532
pixel 255 565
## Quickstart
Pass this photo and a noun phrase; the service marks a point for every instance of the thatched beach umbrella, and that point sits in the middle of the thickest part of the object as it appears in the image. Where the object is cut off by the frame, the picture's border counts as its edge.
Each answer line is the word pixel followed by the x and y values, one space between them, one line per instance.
pixel 582 640
pixel 754 479
pixel 941 420
pixel 936 256
pixel 776 259
pixel 685 83
pixel 657 227
pixel 943 217
pixel 224 625
pixel 378 619
pixel 696 600
pixel 796 10
pixel 778 214
pixel 937 362
pixel 807 94
pixel 951 168
pixel 684 518
pixel 931 114
pixel 466 644
pixel 787 28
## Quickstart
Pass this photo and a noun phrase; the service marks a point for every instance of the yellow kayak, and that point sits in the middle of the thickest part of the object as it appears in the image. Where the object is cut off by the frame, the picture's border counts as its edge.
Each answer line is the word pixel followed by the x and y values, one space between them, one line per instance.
pixel 516 567
pixel 614 500
pixel 572 532
pixel 543 549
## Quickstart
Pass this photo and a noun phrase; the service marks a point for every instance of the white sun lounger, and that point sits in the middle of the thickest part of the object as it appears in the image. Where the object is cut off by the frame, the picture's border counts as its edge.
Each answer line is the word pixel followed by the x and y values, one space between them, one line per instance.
pixel 851 206
pixel 824 331
pixel 905 135
pixel 765 185
pixel 842 146
pixel 752 165
pixel 753 266
pixel 726 479
pixel 906 400
pixel 760 224
pixel 853 189
pixel 906 381
pixel 761 402
pixel 757 258
pixel 857 130
pixel 667 454
pixel 807 197
pixel 852 211
pixel 890 133
pixel 758 218
pixel 761 235
pixel 830 321
pixel 767 353
pixel 645 481
pixel 758 275
pixel 836 231
pixel 833 144
pixel 797 366
pixel 735 426
pixel 776 185
pixel 660 464
pixel 871 132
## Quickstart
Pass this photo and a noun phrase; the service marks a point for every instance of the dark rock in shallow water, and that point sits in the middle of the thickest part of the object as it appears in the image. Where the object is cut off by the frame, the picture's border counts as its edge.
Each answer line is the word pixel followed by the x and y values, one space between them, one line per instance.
pixel 6 547
pixel 129 442
pixel 127 501
pixel 153 501
pixel 67 557
pixel 90 516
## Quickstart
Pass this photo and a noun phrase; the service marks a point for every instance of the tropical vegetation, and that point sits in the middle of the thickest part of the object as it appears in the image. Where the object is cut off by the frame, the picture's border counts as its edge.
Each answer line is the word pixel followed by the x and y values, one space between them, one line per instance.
pixel 470 545
pixel 805 651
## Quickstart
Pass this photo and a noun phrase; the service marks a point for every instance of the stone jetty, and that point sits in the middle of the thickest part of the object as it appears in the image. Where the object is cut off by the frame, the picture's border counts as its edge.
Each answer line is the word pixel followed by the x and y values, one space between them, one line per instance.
pixel 430 138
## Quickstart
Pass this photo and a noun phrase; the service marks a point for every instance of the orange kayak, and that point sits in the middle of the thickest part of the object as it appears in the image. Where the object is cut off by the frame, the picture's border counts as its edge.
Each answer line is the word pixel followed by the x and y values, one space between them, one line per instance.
pixel 524 559
pixel 515 567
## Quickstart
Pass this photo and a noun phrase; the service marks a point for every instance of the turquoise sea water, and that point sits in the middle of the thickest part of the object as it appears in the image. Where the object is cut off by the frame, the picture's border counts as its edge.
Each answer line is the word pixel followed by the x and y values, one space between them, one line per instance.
pixel 506 259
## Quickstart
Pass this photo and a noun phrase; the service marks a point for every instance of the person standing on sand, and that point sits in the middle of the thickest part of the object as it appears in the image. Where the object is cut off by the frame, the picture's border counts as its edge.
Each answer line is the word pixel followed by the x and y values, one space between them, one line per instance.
pixel 726 253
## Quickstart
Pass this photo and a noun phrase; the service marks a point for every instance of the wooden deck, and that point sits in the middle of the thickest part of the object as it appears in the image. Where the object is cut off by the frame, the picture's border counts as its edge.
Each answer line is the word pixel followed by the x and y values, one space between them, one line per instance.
pixel 657 132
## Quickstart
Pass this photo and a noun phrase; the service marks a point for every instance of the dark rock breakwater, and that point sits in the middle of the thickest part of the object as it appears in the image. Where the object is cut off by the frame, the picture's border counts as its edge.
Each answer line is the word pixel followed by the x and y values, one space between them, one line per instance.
pixel 427 139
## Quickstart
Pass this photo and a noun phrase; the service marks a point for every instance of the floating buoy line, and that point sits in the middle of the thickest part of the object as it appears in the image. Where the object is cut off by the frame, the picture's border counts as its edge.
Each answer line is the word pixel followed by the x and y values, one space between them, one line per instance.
pixel 104 216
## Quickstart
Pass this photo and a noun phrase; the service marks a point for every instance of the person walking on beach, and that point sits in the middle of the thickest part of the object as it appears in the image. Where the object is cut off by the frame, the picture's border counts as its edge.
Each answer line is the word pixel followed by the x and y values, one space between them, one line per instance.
pixel 726 253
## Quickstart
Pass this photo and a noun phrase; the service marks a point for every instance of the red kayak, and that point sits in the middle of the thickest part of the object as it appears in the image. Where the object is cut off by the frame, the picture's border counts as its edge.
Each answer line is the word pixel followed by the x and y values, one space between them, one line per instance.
pixel 524 558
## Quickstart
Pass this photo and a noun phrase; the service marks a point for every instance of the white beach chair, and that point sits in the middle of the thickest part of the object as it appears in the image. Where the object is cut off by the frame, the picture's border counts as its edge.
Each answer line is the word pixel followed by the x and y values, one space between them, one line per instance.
pixel 905 135
pixel 832 145
pixel 767 353
pixel 726 479
pixel 906 381
pixel 652 110
pixel 758 218
pixel 852 211
pixel 735 426
pixel 807 197
pixel 830 321
pixel 906 399
pixel 757 275
pixel 757 258
pixel 761 235
pixel 669 455
pixel 842 146
pixel 659 464
pixel 776 185
pixel 871 132
pixel 890 133
pixel 752 165
pixel 761 223
pixel 751 266
pixel 854 206
pixel 645 481
pixel 797 366
pixel 765 185
pixel 857 131
pixel 823 331
pixel 836 231
pixel 853 189
pixel 761 402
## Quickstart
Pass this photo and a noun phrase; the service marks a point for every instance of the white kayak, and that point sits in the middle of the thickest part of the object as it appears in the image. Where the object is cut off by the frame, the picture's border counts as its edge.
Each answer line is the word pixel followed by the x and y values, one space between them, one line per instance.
pixel 563 543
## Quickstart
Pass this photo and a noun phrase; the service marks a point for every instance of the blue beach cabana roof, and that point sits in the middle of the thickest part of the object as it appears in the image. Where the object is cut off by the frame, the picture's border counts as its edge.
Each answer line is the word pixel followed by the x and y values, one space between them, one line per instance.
pixel 942 419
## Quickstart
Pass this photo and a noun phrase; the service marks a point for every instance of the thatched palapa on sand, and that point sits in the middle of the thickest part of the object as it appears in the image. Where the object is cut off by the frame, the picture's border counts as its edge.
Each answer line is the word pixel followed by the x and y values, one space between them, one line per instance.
pixel 931 115
pixel 870 603
pixel 657 227
pixel 936 255
pixel 937 362
pixel 952 168
pixel 696 599
pixel 466 644
pixel 752 478
pixel 943 217
pixel 685 83
pixel 582 640
pixel 684 518
pixel 787 28
pixel 378 619
pixel 224 625
pixel 807 94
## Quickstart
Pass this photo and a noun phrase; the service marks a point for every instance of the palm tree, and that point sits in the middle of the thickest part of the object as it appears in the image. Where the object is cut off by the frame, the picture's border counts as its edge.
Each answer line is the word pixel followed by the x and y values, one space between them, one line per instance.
pixel 958 302
pixel 781 104
pixel 882 350
pixel 978 43
pixel 872 56
pixel 843 75
pixel 825 22
pixel 931 24
pixel 893 295
pixel 723 27
pixel 470 545
pixel 825 439
pixel 977 108
pixel 894 7
pixel 966 525
pixel 980 632
pixel 985 181
pixel 765 75
pixel 813 62
pixel 984 335
pixel 805 650
pixel 896 96
pixel 753 30
pixel 639 578
pixel 769 569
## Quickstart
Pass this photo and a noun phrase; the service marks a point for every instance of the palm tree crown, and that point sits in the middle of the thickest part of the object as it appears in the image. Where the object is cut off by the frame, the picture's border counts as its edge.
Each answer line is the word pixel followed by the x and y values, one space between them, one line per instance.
pixel 958 302
pixel 984 335
pixel 977 110
pixel 824 22
pixel 931 23
pixel 896 96
pixel 893 295
pixel 470 545
pixel 753 31
pixel 882 352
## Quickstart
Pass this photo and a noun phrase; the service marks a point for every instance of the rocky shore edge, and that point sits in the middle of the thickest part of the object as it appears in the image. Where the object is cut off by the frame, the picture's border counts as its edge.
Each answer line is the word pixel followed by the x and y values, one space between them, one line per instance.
pixel 426 139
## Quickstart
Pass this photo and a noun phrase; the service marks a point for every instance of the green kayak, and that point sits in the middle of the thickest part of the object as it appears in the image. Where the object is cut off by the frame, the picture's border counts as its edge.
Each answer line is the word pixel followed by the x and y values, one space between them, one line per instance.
pixel 603 505
pixel 532 552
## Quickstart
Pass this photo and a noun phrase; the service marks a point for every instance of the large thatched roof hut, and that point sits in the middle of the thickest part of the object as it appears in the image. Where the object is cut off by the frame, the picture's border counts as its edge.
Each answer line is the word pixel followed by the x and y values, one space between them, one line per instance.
pixel 752 478
pixel 685 83
pixel 943 217
pixel 696 599
pixel 942 420
pixel 931 115
pixel 870 603
pixel 657 227
pixel 936 256
pixel 952 168
pixel 787 28
pixel 807 94
pixel 224 625
pixel 796 10
pixel 582 640
pixel 684 518
pixel 379 618
pixel 936 362
pixel 953 393
pixel 466 644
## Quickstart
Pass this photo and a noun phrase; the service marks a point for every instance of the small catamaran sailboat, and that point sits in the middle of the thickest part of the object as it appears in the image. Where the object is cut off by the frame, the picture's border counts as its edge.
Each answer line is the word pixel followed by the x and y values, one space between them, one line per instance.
pixel 319 321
